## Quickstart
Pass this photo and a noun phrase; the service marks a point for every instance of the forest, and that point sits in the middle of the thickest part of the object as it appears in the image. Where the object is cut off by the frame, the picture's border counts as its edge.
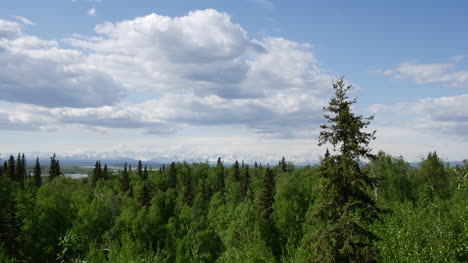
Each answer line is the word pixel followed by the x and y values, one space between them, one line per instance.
pixel 354 206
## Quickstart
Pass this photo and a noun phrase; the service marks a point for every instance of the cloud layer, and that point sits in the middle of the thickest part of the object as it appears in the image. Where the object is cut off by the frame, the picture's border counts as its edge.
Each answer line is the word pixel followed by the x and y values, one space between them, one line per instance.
pixel 157 74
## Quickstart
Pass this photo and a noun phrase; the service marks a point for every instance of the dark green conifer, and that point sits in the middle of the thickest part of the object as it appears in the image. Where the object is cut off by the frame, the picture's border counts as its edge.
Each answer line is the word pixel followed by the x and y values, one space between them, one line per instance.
pixel 37 173
pixel 140 169
pixel 105 172
pixel 20 170
pixel 283 165
pixel 345 210
pixel 97 173
pixel 220 174
pixel 145 173
pixel 172 176
pixel 54 169
pixel 267 194
pixel 236 172
pixel 11 168
pixel 145 195
pixel 246 182
pixel 125 180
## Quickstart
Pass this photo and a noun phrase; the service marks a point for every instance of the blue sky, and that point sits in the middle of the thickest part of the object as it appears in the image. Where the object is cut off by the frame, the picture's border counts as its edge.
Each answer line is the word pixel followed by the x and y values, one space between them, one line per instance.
pixel 241 79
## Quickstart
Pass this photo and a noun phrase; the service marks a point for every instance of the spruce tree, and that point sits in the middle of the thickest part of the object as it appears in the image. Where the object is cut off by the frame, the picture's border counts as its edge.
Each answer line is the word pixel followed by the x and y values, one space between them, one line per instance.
pixel 11 171
pixel 23 168
pixel 267 194
pixel 97 173
pixel 172 176
pixel 105 172
pixel 345 209
pixel 140 169
pixel 266 199
pixel 246 182
pixel 54 169
pixel 37 173
pixel 220 175
pixel 236 172
pixel 125 180
pixel 283 165
pixel 144 196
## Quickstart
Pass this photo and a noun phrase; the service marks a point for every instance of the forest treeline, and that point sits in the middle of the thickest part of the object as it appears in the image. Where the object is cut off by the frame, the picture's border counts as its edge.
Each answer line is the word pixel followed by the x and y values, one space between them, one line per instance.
pixel 341 210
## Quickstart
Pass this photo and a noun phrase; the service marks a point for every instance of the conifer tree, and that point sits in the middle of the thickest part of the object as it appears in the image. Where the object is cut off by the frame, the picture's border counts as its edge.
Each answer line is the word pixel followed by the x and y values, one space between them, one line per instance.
pixel 23 168
pixel 97 173
pixel 125 180
pixel 246 182
pixel 172 176
pixel 140 169
pixel 54 170
pixel 236 172
pixel 345 210
pixel 267 194
pixel 145 173
pixel 37 173
pixel 105 172
pixel 11 171
pixel 144 195
pixel 220 174
pixel 20 169
pixel 282 164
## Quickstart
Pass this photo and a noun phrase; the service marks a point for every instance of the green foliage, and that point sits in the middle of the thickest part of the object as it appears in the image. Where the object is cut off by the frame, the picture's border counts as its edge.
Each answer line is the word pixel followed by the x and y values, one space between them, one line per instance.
pixel 344 209
pixel 202 213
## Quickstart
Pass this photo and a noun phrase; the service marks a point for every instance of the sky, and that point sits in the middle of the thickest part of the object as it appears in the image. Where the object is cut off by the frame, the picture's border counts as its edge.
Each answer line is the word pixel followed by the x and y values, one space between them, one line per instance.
pixel 246 80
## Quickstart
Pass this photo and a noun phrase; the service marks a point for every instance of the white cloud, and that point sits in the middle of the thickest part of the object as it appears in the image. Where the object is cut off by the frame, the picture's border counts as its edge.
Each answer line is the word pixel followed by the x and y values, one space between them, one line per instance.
pixel 200 69
pixel 431 73
pixel 92 12
pixel 9 29
pixel 448 115
pixel 40 72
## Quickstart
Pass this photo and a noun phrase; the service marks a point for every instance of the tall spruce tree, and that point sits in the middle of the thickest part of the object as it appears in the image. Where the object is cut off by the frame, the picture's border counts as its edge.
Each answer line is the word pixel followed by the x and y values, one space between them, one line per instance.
pixel 144 197
pixel 20 169
pixel 345 209
pixel 140 168
pixel 11 171
pixel 125 180
pixel 220 175
pixel 172 176
pixel 236 172
pixel 37 173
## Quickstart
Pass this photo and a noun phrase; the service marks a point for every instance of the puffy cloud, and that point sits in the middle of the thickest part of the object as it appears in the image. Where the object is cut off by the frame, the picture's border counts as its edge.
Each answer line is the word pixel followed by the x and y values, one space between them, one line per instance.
pixel 39 72
pixel 9 29
pixel 446 114
pixel 200 69
pixel 203 53
pixel 431 73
